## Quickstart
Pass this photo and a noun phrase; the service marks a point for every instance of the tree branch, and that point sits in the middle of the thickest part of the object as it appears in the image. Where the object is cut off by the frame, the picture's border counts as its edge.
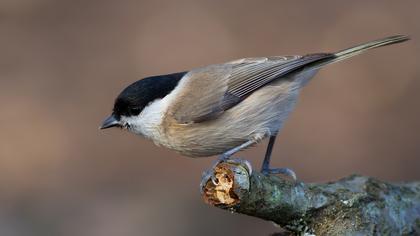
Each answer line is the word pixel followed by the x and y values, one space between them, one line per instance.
pixel 355 205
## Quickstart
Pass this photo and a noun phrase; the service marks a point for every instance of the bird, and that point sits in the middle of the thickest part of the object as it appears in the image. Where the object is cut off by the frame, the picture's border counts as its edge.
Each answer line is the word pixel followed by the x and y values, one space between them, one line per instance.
pixel 221 109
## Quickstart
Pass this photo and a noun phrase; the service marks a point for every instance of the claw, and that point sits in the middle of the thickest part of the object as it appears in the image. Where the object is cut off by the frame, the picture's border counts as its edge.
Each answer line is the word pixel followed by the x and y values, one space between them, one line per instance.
pixel 214 179
pixel 209 174
pixel 236 161
pixel 242 162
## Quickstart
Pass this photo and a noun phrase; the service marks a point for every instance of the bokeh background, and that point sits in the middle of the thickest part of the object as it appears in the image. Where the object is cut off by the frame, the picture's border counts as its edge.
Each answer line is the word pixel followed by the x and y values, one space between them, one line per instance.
pixel 63 62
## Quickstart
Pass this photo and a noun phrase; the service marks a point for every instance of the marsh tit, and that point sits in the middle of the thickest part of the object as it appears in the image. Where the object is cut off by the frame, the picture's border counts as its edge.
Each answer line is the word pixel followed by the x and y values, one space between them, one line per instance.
pixel 223 108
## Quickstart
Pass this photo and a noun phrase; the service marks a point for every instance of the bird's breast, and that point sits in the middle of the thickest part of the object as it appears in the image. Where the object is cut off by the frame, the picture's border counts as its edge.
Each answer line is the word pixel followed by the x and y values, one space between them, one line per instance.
pixel 260 115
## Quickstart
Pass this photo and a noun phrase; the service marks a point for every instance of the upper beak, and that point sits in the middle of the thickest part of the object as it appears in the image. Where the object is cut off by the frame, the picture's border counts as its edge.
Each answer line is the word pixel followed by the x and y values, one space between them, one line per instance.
pixel 109 122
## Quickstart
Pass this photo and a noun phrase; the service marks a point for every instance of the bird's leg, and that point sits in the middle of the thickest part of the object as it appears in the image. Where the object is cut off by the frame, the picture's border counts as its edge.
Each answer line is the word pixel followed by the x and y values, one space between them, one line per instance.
pixel 265 169
pixel 226 157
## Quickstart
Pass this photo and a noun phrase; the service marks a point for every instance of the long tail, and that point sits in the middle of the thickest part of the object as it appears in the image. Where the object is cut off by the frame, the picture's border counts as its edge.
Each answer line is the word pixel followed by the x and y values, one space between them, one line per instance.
pixel 356 50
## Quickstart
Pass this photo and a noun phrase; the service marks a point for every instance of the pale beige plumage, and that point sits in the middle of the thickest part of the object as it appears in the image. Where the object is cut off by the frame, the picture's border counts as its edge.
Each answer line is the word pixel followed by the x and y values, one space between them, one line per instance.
pixel 260 115
pixel 219 107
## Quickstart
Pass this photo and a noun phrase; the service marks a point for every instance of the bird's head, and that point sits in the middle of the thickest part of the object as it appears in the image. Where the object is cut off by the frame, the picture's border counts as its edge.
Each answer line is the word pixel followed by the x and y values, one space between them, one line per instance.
pixel 129 106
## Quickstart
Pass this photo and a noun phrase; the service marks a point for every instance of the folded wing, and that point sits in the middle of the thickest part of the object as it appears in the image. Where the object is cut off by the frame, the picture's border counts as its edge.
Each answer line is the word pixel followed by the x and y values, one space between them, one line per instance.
pixel 207 92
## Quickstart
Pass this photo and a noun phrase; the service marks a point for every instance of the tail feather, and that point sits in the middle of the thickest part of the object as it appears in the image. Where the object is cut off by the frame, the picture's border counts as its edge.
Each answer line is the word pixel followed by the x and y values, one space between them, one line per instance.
pixel 356 50
pixel 353 51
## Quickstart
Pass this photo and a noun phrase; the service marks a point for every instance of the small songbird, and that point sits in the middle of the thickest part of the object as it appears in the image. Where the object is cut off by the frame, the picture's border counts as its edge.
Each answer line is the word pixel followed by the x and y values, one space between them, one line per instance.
pixel 223 108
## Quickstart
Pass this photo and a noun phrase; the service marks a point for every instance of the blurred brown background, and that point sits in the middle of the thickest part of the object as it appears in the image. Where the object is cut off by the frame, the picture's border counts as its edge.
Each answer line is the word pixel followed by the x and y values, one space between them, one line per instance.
pixel 63 62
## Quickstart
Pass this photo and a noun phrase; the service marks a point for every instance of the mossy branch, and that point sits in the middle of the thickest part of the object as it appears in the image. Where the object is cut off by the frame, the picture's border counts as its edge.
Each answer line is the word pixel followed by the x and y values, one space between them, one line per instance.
pixel 355 205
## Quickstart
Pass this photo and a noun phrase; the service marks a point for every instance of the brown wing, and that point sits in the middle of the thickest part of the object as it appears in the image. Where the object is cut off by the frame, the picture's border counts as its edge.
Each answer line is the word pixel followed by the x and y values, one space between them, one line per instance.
pixel 200 93
pixel 207 92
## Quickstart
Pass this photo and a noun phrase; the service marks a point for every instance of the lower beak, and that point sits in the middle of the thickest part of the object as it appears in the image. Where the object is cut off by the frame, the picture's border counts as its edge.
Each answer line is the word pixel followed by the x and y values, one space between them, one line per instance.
pixel 109 122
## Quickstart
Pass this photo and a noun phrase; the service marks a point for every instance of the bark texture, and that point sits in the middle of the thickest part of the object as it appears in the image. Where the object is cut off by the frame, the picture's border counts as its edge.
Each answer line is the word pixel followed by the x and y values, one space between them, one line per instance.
pixel 355 205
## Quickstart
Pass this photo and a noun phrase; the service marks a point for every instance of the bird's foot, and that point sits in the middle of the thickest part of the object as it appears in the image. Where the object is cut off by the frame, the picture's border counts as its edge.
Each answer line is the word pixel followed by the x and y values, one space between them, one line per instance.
pixel 210 174
pixel 235 161
pixel 283 171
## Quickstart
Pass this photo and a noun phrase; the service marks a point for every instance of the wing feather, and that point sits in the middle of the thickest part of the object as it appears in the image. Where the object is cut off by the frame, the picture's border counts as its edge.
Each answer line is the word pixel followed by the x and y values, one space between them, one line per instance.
pixel 201 93
pixel 209 91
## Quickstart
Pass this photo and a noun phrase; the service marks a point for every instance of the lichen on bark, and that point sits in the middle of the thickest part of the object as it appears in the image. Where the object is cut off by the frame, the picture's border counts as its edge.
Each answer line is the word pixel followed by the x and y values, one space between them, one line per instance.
pixel 355 205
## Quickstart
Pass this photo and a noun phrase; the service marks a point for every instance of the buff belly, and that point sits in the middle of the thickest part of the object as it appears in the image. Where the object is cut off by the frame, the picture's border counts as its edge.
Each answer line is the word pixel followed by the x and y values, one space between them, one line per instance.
pixel 260 115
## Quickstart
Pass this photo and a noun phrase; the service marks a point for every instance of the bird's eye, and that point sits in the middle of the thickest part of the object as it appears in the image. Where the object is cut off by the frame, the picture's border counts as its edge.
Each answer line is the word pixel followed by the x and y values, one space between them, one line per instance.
pixel 134 111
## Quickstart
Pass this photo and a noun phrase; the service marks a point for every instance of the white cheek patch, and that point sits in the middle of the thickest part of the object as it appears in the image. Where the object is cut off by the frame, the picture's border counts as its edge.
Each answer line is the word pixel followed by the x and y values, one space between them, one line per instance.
pixel 148 121
pixel 129 122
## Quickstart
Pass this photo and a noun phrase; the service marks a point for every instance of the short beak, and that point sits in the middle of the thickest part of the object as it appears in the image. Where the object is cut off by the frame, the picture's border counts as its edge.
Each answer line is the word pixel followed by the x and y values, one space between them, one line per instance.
pixel 109 122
